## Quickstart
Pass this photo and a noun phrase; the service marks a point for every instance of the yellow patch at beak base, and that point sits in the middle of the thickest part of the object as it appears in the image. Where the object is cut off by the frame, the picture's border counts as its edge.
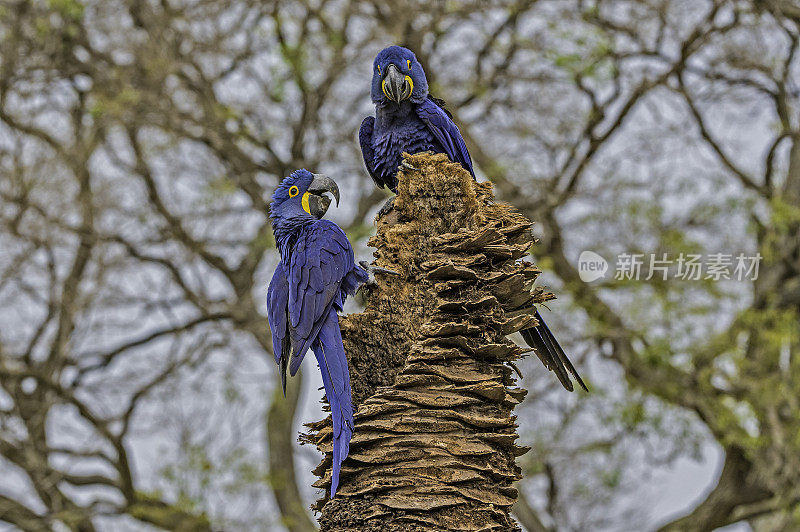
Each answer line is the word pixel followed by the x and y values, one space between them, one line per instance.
pixel 304 203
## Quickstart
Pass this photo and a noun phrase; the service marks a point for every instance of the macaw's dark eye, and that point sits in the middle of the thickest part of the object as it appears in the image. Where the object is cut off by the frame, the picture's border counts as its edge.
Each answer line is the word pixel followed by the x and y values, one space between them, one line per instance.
pixel 408 62
pixel 293 191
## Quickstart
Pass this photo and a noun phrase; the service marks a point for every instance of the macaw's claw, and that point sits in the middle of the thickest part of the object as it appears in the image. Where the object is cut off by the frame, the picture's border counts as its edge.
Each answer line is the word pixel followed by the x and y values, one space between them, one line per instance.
pixel 387 207
pixel 376 269
pixel 372 271
pixel 408 166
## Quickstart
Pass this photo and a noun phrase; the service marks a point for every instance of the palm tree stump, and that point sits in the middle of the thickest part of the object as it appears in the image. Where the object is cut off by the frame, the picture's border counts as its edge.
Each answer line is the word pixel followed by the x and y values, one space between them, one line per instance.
pixel 434 442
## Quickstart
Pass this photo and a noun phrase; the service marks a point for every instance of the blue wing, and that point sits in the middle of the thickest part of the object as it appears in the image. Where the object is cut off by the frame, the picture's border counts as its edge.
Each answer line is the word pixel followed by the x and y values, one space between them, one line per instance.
pixel 321 260
pixel 278 315
pixel 365 139
pixel 446 132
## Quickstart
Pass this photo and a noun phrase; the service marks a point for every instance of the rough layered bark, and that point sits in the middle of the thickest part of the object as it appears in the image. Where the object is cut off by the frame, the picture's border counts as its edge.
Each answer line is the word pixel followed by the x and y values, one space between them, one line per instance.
pixel 434 446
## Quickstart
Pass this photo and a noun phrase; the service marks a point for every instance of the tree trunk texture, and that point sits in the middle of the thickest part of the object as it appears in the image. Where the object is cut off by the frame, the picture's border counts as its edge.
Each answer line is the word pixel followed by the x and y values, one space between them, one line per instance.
pixel 434 441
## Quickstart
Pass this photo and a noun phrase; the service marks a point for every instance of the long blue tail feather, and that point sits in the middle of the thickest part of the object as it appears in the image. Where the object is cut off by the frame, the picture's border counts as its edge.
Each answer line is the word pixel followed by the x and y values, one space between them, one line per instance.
pixel 329 350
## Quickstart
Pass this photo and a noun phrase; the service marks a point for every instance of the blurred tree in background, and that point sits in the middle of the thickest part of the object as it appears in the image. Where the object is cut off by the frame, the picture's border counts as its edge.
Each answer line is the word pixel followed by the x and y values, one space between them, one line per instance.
pixel 140 140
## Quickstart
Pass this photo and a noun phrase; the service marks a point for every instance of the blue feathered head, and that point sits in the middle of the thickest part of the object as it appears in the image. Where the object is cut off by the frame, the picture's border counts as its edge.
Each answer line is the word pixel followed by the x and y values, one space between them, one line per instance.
pixel 302 196
pixel 398 76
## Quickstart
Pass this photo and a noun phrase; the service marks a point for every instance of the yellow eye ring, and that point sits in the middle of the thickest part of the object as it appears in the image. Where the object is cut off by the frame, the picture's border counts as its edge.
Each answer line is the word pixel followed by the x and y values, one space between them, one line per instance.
pixel 408 62
pixel 379 69
pixel 293 191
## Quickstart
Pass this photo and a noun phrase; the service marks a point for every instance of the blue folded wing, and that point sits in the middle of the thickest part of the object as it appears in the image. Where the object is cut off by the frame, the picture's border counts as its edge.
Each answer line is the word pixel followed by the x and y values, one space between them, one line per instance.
pixel 278 316
pixel 320 261
pixel 446 132
pixel 367 151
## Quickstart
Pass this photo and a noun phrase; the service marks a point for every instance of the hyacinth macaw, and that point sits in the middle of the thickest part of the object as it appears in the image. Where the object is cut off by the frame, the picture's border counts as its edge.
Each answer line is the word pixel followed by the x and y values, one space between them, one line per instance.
pixel 408 119
pixel 317 271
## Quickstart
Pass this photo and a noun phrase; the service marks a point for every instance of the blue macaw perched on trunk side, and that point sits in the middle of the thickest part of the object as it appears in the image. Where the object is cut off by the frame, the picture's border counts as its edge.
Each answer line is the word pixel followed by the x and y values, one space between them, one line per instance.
pixel 316 273
pixel 408 119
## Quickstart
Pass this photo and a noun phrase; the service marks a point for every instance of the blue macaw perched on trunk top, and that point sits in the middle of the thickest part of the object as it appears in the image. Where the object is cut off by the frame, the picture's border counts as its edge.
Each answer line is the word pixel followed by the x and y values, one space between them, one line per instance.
pixel 316 273
pixel 408 119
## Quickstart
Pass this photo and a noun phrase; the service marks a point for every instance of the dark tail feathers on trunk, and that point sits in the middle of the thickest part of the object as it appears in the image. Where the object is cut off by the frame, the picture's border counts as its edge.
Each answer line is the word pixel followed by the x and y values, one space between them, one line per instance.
pixel 550 353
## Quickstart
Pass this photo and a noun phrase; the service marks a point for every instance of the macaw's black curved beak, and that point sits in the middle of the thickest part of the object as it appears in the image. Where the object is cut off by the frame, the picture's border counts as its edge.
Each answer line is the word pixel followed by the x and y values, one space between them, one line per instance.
pixel 395 85
pixel 318 202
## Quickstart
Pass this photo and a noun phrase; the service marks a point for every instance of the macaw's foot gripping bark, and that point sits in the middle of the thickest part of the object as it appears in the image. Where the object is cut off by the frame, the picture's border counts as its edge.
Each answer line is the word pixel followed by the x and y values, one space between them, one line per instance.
pixel 434 442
